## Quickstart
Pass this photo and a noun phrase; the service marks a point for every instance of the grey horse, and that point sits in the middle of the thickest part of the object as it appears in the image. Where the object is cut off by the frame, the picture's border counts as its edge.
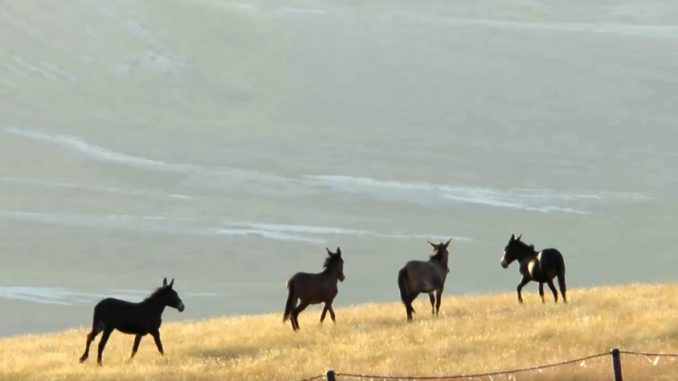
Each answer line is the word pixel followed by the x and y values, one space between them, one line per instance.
pixel 425 276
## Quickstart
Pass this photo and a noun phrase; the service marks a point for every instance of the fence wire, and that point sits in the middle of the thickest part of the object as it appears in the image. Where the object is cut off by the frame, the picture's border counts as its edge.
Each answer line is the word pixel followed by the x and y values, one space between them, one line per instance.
pixel 314 378
pixel 632 353
pixel 494 373
pixel 486 374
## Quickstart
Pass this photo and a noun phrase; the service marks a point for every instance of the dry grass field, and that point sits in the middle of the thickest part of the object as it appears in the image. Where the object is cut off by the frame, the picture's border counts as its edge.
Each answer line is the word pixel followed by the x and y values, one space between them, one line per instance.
pixel 473 334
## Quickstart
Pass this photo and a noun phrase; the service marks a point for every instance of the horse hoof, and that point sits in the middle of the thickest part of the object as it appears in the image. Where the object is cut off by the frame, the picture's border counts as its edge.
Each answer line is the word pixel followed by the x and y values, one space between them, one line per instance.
pixel 83 359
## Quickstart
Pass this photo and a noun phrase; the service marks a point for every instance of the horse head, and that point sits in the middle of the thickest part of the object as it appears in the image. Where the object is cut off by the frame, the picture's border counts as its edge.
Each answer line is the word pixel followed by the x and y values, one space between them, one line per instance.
pixel 335 260
pixel 169 296
pixel 440 252
pixel 515 249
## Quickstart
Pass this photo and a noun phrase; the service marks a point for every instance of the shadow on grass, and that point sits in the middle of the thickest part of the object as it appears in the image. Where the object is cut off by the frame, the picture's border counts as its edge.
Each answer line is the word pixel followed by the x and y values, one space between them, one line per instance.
pixel 229 353
pixel 400 321
pixel 226 353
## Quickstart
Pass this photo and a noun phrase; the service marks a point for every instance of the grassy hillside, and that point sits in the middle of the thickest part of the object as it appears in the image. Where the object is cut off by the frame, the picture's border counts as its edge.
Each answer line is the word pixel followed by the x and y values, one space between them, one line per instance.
pixel 473 334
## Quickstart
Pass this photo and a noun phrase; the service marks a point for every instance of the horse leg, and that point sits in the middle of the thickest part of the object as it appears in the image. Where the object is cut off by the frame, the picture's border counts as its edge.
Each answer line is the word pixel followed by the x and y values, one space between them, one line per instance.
pixel 158 343
pixel 408 306
pixel 293 318
pixel 334 320
pixel 295 324
pixel 295 314
pixel 322 316
pixel 137 340
pixel 439 293
pixel 291 301
pixel 553 290
pixel 561 284
pixel 90 338
pixel 96 329
pixel 433 301
pixel 541 291
pixel 102 343
pixel 523 282
pixel 291 314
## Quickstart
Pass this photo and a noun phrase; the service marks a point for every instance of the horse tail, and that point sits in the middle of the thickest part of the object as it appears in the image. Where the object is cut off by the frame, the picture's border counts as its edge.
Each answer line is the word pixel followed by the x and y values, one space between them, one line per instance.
pixel 403 279
pixel 289 306
pixel 402 284
pixel 561 279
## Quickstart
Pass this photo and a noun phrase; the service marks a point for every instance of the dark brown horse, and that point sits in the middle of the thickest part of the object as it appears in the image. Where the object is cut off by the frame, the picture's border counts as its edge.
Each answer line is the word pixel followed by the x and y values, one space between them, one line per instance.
pixel 419 276
pixel 308 289
pixel 539 266
pixel 138 319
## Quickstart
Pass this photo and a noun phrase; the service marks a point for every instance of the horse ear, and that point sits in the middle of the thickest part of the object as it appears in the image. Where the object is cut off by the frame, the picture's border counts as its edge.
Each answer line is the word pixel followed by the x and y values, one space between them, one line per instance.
pixel 338 251
pixel 164 282
pixel 328 251
pixel 519 237
pixel 171 283
pixel 432 244
pixel 448 242
pixel 513 238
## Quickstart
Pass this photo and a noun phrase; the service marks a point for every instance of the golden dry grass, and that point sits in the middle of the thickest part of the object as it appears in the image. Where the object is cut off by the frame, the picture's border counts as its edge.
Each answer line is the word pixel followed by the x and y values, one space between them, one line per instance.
pixel 473 334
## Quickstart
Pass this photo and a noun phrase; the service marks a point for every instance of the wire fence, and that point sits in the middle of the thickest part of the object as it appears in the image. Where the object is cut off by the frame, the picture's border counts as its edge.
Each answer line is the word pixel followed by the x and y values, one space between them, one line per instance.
pixel 318 377
pixel 331 375
pixel 649 354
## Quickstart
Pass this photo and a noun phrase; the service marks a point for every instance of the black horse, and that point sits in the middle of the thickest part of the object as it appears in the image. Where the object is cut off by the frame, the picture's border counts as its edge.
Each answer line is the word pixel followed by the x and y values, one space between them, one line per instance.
pixel 133 318
pixel 314 288
pixel 419 276
pixel 540 266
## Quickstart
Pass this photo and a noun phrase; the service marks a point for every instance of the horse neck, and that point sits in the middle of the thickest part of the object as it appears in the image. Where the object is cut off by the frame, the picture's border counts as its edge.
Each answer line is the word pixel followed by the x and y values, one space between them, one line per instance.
pixel 332 273
pixel 526 254
pixel 154 305
pixel 441 260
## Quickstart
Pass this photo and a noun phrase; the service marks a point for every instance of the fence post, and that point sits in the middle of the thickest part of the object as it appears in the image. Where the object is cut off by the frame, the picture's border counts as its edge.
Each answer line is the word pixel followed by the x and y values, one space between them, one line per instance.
pixel 330 375
pixel 616 364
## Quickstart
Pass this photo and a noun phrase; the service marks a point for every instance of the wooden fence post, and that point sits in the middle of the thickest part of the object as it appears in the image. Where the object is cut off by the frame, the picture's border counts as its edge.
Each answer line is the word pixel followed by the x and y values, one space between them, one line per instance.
pixel 616 364
pixel 330 375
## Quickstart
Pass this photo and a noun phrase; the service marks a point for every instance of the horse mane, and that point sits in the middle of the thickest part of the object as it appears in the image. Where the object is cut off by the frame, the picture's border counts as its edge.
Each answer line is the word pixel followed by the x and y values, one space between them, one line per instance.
pixel 523 245
pixel 330 260
pixel 438 256
pixel 158 291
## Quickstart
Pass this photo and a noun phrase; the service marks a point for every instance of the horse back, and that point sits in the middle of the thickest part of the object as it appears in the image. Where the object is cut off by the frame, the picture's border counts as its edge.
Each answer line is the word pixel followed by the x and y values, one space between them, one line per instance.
pixel 551 263
pixel 109 305
pixel 425 276
pixel 313 288
pixel 125 316
pixel 551 258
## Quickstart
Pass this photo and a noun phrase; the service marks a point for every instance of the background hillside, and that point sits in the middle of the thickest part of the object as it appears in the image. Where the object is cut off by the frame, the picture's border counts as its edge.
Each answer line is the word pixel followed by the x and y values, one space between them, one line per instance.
pixel 226 144
pixel 473 334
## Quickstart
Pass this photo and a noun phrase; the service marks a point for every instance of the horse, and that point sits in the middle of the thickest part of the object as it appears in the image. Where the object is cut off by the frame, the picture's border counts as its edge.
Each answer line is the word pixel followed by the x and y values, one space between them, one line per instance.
pixel 308 289
pixel 536 266
pixel 137 319
pixel 419 276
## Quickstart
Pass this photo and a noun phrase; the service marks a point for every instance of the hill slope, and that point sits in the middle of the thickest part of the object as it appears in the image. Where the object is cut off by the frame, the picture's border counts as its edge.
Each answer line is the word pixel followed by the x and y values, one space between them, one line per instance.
pixel 473 334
